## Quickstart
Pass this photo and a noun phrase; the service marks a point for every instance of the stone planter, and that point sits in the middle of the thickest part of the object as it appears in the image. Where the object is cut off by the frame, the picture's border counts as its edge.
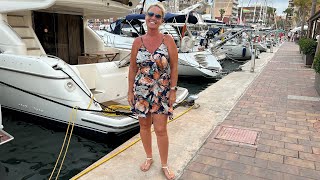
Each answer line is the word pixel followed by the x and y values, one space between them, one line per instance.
pixel 308 59
pixel 317 82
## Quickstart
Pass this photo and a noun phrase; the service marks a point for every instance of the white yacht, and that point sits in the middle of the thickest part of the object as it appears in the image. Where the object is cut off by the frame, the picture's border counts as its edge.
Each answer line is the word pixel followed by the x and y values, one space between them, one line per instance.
pixel 191 62
pixel 40 45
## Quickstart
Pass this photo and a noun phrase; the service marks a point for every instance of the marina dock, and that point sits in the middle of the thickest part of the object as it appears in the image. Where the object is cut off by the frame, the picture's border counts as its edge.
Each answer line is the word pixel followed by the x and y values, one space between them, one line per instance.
pixel 275 108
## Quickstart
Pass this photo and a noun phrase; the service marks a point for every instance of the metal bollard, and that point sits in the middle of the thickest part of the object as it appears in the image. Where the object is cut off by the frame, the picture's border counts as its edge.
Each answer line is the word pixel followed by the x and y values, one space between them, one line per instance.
pixel 271 48
pixel 253 58
pixel 1 126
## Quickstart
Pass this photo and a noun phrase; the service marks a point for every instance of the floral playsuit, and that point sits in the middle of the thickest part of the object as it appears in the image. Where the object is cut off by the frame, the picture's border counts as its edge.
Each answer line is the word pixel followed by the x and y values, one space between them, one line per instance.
pixel 152 82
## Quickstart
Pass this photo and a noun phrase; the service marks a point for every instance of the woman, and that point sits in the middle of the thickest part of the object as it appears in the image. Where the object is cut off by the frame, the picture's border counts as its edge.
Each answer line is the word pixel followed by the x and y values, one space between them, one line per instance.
pixel 152 89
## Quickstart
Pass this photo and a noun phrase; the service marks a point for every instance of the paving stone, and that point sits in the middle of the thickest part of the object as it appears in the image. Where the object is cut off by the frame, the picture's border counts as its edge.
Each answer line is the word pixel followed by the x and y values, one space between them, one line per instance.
pixel 243 151
pixel 293 177
pixel 196 167
pixel 191 175
pixel 271 143
pixel 310 173
pixel 298 147
pixel 283 168
pixel 219 154
pixel 208 160
pixel 309 156
pixel 299 162
pixel 266 173
pixel 284 152
pixel 253 161
pixel 220 147
pixel 263 148
pixel 269 156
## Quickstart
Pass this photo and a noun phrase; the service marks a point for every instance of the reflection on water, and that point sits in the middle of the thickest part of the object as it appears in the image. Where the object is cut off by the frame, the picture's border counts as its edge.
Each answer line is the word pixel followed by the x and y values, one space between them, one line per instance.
pixel 36 145
pixel 195 84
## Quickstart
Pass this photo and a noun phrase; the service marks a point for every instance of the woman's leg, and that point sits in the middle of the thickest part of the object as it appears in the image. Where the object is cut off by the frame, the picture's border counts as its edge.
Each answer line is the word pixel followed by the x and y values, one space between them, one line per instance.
pixel 160 128
pixel 145 134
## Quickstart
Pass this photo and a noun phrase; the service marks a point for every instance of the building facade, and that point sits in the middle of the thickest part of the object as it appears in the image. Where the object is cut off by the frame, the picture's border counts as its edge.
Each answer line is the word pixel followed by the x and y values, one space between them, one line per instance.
pixel 230 8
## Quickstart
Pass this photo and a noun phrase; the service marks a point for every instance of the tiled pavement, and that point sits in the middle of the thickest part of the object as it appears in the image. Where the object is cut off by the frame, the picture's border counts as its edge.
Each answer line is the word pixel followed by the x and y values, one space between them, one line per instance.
pixel 282 105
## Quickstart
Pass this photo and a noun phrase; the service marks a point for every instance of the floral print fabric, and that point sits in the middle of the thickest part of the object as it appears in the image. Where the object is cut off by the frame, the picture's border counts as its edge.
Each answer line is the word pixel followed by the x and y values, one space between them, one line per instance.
pixel 152 82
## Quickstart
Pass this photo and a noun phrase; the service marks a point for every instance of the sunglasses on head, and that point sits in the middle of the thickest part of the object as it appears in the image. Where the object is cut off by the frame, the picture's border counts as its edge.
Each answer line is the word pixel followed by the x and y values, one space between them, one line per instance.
pixel 151 14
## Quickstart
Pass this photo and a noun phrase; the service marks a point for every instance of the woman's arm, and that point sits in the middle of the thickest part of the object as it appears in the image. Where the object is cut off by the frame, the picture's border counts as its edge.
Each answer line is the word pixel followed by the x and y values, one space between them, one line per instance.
pixel 133 69
pixel 173 54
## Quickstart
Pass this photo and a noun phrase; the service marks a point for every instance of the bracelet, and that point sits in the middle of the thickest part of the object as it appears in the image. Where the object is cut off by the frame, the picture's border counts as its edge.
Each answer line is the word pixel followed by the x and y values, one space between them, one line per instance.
pixel 174 88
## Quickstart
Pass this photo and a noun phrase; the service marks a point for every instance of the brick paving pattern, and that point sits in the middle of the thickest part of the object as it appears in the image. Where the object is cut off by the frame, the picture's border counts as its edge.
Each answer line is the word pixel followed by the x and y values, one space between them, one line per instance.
pixel 283 106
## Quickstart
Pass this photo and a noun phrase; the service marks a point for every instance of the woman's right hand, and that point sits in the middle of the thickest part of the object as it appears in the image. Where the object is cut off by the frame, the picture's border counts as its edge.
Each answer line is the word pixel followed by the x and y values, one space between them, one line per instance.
pixel 130 99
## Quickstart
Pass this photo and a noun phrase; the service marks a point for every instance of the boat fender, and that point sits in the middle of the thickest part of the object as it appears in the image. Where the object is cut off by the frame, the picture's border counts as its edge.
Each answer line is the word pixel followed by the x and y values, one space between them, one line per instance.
pixel 244 51
pixel 187 44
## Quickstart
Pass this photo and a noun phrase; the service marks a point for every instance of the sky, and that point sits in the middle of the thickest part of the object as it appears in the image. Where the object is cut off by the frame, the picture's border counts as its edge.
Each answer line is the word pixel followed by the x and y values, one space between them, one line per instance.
pixel 280 5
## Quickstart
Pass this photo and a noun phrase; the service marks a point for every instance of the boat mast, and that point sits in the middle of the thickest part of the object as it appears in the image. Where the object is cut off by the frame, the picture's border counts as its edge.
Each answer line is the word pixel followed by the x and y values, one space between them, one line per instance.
pixel 144 2
pixel 241 14
pixel 260 20
pixel 254 12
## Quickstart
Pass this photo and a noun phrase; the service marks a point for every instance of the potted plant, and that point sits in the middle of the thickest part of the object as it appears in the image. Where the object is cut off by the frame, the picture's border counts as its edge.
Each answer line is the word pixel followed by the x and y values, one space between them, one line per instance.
pixel 316 67
pixel 301 44
pixel 308 48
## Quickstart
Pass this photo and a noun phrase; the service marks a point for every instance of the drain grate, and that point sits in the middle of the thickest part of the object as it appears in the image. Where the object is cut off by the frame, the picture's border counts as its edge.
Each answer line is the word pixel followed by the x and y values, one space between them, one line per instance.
pixel 237 135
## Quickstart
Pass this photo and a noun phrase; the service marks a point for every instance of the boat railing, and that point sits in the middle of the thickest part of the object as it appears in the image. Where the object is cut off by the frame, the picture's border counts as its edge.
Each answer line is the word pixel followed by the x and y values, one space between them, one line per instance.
pixel 227 39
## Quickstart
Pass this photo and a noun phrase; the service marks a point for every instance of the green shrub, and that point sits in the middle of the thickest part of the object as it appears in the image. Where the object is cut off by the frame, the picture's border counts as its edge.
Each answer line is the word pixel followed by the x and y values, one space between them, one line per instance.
pixel 316 63
pixel 301 42
pixel 308 46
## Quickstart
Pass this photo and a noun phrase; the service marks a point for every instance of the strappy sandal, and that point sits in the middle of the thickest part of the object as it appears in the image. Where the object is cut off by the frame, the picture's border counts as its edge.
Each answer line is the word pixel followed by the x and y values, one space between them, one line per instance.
pixel 169 175
pixel 146 166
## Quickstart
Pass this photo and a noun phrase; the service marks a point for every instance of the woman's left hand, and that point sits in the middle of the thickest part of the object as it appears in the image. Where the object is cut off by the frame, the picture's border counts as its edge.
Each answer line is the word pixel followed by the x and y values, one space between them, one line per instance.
pixel 172 97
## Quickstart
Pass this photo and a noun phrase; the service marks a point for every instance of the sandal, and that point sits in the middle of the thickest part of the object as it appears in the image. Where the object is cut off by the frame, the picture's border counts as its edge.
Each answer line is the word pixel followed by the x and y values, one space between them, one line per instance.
pixel 146 166
pixel 169 175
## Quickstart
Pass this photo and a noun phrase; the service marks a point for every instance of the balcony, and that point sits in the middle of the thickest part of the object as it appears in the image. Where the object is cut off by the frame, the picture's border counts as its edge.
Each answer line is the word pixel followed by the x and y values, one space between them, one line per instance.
pixel 235 2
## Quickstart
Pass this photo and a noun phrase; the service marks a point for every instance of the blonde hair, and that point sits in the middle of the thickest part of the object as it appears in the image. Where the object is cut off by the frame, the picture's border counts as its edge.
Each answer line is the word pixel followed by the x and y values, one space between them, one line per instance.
pixel 159 5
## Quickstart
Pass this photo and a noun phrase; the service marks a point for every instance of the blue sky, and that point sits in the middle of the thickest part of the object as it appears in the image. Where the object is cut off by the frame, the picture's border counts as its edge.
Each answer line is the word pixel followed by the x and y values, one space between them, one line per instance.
pixel 280 5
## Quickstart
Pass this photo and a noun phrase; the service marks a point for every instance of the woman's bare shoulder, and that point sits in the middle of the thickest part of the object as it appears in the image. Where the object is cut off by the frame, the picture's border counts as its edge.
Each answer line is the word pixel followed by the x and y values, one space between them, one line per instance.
pixel 168 37
pixel 137 42
pixel 168 40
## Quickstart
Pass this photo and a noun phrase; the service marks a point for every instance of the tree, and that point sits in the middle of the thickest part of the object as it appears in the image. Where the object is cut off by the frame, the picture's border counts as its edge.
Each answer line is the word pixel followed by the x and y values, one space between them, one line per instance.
pixel 304 7
pixel 288 12
pixel 222 11
pixel 313 10
pixel 270 13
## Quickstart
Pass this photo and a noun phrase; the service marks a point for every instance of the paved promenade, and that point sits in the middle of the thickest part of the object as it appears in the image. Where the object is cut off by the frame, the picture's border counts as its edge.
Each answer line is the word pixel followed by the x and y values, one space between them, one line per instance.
pixel 278 116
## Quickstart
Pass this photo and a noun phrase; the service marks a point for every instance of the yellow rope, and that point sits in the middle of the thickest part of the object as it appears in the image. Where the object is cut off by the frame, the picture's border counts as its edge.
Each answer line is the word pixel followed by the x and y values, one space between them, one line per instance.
pixel 73 117
pixel 109 111
pixel 64 141
pixel 121 150
pixel 65 152
pixel 91 100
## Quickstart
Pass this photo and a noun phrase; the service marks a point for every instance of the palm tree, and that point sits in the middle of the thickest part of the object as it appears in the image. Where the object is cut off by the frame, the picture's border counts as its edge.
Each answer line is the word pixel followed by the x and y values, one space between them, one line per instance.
pixel 222 11
pixel 270 13
pixel 288 12
pixel 304 6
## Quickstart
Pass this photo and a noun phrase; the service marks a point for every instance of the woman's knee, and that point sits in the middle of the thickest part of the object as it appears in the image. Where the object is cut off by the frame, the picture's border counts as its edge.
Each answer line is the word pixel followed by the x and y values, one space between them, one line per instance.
pixel 161 131
pixel 145 123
